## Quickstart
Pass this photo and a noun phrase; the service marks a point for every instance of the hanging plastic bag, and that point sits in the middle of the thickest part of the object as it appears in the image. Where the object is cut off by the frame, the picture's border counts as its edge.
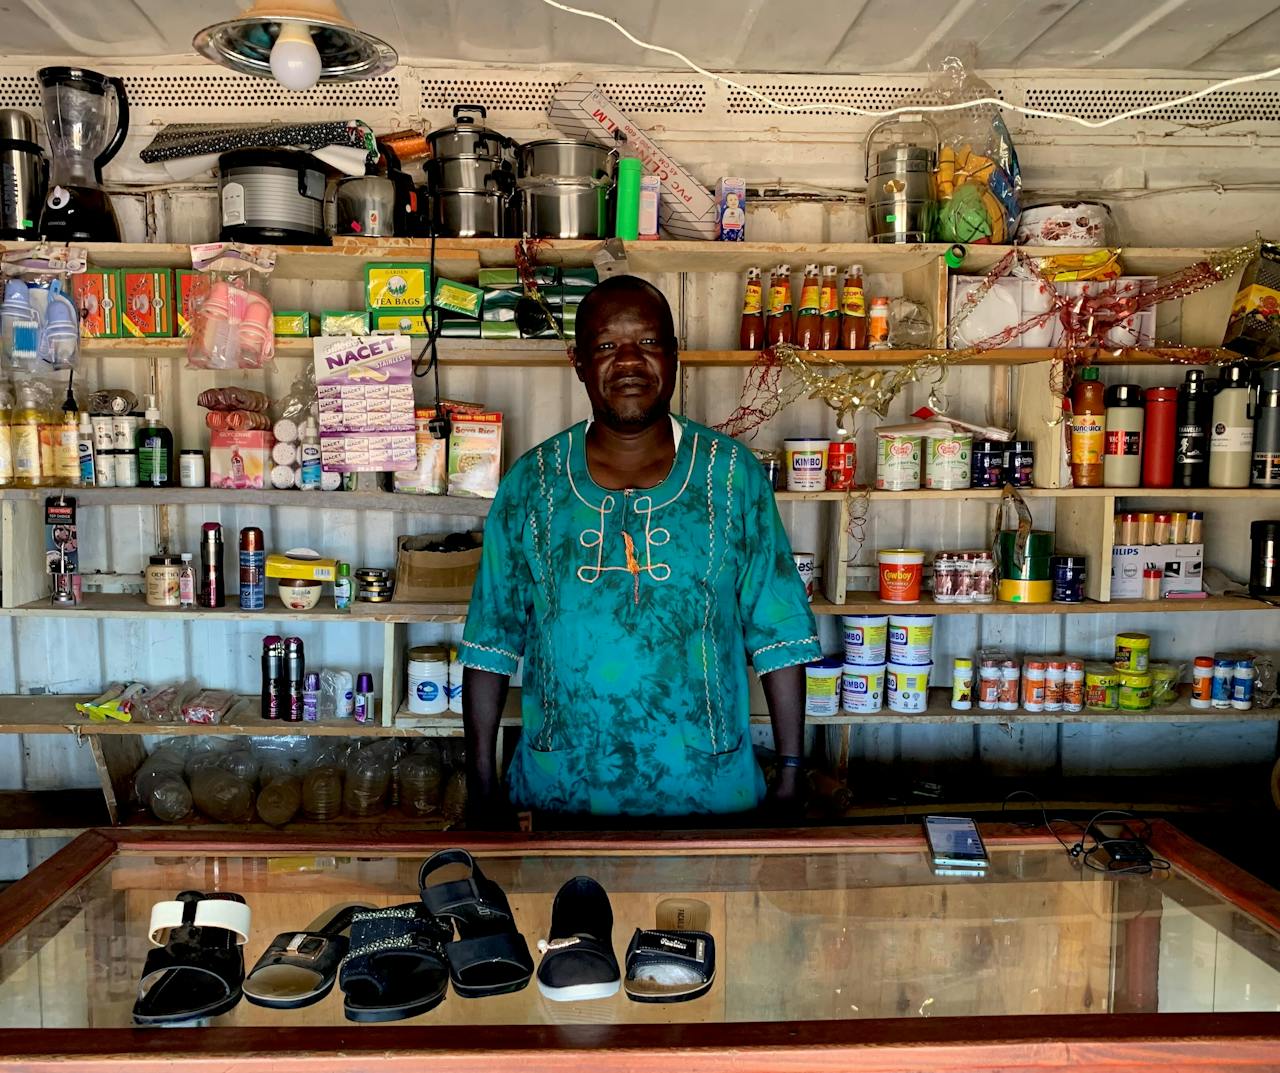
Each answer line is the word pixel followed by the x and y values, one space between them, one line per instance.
pixel 232 325
pixel 979 183
pixel 39 323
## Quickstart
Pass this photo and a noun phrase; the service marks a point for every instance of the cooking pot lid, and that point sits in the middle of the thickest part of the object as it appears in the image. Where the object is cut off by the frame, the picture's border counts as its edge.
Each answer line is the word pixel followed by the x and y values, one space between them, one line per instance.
pixel 553 184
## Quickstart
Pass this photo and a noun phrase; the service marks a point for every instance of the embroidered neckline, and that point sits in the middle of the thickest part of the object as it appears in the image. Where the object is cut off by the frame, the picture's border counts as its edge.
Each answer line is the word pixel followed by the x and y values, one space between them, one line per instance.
pixel 606 497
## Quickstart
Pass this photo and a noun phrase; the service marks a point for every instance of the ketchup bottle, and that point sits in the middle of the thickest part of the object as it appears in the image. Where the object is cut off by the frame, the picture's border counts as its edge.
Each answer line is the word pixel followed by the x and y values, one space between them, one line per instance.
pixel 751 334
pixel 1159 437
pixel 853 311
pixel 809 315
pixel 829 310
pixel 777 314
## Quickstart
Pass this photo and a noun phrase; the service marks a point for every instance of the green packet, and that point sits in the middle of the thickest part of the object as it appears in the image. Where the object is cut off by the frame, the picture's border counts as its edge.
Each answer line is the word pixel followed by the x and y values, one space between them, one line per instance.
pixel 459 298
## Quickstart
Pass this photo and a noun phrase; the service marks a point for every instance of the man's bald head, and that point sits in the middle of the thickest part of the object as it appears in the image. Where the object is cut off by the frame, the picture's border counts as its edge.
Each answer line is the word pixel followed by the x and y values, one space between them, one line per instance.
pixel 613 294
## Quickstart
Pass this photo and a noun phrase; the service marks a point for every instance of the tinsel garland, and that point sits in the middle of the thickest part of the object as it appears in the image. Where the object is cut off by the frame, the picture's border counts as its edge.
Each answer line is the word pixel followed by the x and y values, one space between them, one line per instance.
pixel 1086 321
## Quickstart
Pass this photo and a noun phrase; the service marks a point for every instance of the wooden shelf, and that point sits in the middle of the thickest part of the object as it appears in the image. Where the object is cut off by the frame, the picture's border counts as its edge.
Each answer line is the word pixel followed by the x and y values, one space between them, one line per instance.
pixel 125 605
pixel 867 603
pixel 51 813
pixel 264 497
pixel 551 353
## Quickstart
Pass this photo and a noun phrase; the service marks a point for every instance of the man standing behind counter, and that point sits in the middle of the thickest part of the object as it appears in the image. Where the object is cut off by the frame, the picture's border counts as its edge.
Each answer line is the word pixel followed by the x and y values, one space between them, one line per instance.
pixel 635 560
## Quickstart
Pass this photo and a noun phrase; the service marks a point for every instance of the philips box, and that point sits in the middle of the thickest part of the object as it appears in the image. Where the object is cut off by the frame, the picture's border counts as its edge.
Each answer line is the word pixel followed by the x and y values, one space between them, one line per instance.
pixel 1182 566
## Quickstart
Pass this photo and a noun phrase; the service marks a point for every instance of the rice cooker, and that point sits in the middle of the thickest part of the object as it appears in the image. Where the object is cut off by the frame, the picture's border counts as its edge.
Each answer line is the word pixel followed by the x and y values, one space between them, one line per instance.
pixel 272 196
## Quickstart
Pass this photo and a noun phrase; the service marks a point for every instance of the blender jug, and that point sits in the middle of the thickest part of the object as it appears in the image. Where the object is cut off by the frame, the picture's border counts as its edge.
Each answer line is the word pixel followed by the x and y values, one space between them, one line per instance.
pixel 82 139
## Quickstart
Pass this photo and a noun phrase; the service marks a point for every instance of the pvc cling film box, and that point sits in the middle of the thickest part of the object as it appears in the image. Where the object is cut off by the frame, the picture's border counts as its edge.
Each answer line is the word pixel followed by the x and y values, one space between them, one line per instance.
pixel 1182 566
pixel 686 209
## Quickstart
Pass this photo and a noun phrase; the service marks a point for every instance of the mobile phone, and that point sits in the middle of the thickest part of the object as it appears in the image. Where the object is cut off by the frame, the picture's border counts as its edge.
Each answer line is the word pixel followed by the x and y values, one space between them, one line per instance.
pixel 954 842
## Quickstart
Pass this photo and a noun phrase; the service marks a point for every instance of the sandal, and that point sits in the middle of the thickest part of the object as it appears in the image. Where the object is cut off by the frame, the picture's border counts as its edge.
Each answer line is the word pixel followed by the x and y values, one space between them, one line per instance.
pixel 489 957
pixel 396 967
pixel 676 961
pixel 197 966
pixel 578 962
pixel 299 967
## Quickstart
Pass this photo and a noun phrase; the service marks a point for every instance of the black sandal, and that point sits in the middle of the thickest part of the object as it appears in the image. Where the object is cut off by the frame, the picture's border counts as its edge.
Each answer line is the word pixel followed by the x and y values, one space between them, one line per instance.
pixel 299 967
pixel 676 961
pixel 578 962
pixel 197 967
pixel 396 967
pixel 490 956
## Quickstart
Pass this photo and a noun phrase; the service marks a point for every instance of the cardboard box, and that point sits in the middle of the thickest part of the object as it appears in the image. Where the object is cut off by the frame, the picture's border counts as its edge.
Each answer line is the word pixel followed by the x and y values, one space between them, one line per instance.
pixel 414 322
pixel 731 210
pixel 434 576
pixel 298 569
pixel 391 285
pixel 650 198
pixel 687 209
pixel 295 324
pixel 97 298
pixel 185 287
pixel 147 302
pixel 240 459
pixel 1183 566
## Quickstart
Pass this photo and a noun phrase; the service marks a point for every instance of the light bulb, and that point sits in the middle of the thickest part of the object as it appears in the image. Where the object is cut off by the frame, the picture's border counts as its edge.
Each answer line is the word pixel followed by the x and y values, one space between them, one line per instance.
pixel 294 59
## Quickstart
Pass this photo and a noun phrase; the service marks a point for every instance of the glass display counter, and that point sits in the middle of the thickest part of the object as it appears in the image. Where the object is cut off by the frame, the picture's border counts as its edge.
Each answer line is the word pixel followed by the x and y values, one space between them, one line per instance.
pixel 836 950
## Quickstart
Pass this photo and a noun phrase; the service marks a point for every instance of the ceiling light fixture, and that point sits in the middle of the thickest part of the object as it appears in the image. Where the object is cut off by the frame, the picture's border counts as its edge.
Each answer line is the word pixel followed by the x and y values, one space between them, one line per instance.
pixel 297 42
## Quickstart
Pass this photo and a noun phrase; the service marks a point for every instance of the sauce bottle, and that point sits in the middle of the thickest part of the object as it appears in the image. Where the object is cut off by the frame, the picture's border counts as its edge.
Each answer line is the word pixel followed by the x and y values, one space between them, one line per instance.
pixel 853 311
pixel 751 334
pixel 1088 429
pixel 1159 434
pixel 1231 439
pixel 777 314
pixel 809 313
pixel 829 310
pixel 1195 413
pixel 1122 463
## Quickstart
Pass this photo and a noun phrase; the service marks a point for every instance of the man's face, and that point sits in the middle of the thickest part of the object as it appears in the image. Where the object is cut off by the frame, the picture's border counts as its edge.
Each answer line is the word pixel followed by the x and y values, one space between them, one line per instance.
pixel 628 364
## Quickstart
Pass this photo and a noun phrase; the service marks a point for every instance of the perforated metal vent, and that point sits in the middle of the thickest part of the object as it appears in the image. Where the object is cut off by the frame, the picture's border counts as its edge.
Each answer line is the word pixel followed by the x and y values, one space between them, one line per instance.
pixel 220 91
pixel 686 97
pixel 19 91
pixel 1228 106
pixel 799 99
pixel 499 95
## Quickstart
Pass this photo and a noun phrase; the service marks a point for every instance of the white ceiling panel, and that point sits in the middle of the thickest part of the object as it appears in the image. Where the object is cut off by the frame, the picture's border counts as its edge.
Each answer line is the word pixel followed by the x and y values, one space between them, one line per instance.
pixel 818 36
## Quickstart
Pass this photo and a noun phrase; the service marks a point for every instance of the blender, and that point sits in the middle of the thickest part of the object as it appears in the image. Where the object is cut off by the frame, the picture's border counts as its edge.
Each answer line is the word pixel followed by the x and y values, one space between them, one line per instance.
pixel 82 139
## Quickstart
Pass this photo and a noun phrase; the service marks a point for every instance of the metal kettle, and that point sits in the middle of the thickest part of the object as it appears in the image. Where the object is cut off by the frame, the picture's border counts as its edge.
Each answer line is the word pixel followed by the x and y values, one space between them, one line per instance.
pixel 376 206
pixel 902 201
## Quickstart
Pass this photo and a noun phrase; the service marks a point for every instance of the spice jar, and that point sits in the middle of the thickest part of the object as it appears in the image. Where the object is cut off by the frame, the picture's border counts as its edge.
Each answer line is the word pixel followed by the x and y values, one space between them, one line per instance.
pixel 162 577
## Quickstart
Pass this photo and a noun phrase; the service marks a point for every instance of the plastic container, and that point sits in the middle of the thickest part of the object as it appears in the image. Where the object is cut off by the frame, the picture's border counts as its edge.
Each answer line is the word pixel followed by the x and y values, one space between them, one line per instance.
pixel 901 571
pixel 1010 675
pixel 962 684
pixel 428 670
pixel 1224 672
pixel 1133 652
pixel 1033 685
pixel 1101 687
pixel 987 469
pixel 1164 684
pixel 1020 463
pixel 1014 591
pixel 989 685
pixel 1055 678
pixel 1134 694
pixel 911 640
pixel 1242 685
pixel 907 688
pixel 948 461
pixel 897 463
pixel 1073 687
pixel 421 780
pixel 822 686
pixel 1202 683
pixel 862 690
pixel 806 462
pixel 866 640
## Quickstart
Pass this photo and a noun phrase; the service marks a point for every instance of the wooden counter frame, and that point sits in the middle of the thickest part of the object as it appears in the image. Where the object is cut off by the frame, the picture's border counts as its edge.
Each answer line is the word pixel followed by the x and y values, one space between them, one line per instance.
pixel 1128 1042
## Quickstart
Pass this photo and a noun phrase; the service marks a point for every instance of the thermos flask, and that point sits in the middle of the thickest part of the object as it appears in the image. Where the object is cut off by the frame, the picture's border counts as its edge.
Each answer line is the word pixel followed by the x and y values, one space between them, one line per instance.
pixel 1266 429
pixel 1231 439
pixel 1195 415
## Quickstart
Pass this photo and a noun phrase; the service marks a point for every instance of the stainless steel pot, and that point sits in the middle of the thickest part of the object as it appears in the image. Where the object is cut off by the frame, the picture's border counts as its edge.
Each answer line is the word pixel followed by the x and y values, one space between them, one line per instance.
pixel 566 208
pixel 566 158
pixel 476 173
pixel 902 201
pixel 467 137
pixel 469 214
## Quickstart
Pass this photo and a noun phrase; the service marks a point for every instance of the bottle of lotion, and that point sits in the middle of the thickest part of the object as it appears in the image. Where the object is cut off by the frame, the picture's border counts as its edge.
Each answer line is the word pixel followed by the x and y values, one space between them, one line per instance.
pixel 1231 438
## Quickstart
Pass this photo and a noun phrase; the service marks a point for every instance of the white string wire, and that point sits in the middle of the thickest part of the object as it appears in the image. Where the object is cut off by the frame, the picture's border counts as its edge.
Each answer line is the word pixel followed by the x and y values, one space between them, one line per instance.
pixel 1033 113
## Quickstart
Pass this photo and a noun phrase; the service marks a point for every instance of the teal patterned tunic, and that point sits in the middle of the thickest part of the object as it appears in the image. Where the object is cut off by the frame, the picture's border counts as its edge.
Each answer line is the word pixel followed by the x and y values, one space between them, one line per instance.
pixel 636 612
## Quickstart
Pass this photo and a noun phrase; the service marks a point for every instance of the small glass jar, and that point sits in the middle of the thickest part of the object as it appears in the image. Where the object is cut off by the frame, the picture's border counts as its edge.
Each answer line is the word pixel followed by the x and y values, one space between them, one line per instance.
pixel 162 577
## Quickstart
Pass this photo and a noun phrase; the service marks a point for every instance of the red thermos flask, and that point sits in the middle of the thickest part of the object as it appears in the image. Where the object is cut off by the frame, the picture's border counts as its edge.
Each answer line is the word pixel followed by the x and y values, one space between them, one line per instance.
pixel 1159 437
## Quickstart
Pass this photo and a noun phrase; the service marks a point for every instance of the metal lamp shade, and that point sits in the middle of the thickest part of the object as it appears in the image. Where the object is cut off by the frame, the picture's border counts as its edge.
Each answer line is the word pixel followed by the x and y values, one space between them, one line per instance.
pixel 347 53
